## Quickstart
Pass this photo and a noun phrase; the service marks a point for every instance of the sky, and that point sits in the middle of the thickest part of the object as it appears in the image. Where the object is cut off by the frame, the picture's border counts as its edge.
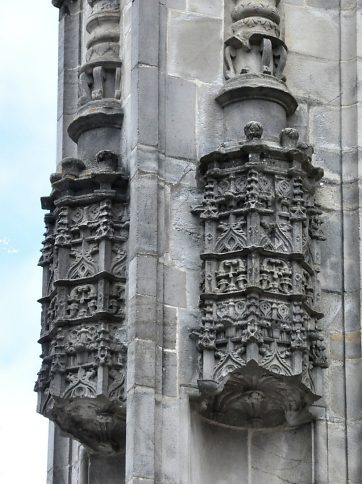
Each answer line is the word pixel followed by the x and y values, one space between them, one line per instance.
pixel 28 96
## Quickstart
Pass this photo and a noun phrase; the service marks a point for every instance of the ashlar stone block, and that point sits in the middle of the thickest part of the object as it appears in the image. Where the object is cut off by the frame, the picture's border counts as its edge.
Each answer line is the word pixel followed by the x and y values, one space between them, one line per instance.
pixel 194 47
pixel 180 118
pixel 210 444
pixel 313 32
pixel 280 457
pixel 212 8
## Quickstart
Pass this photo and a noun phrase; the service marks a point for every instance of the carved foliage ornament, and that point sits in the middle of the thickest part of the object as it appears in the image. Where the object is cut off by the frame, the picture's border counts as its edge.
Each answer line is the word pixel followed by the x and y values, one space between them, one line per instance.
pixel 260 288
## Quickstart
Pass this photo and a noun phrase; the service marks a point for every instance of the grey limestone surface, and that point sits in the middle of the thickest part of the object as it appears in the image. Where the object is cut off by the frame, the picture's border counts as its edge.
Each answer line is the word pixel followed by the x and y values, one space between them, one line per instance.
pixel 172 55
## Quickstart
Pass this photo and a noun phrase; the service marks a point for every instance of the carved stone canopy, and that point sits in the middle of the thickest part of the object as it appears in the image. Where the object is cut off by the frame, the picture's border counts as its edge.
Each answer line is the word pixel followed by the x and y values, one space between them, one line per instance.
pixel 81 383
pixel 259 339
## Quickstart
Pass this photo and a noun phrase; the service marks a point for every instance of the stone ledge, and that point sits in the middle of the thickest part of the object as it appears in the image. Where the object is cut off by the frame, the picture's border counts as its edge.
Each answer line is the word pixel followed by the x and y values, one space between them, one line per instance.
pixel 251 86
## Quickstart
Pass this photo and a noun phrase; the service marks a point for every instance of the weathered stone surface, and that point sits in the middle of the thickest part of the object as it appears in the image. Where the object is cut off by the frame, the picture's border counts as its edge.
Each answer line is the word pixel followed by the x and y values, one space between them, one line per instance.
pixel 212 443
pixel 180 118
pixel 147 74
pixel 295 450
pixel 83 334
pixel 212 8
pixel 312 32
pixel 194 42
pixel 259 305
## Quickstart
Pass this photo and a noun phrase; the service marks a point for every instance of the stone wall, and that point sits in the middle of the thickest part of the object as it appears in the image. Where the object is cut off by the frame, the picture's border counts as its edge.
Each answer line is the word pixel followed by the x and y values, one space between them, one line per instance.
pixel 172 52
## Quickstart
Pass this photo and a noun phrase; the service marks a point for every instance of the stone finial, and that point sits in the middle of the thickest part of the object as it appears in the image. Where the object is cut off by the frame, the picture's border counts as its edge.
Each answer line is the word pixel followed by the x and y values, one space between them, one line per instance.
pixel 108 159
pixel 100 84
pixel 289 138
pixel 253 130
pixel 60 3
pixel 255 56
pixel 307 149
pixel 72 166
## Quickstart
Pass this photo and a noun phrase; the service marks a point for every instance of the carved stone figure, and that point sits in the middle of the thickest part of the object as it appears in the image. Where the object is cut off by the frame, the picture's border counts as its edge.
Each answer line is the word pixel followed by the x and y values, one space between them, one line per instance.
pixel 99 106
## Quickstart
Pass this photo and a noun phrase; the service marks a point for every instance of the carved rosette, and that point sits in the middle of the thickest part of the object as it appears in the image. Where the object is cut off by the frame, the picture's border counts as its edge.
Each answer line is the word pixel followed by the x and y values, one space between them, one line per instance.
pixel 81 384
pixel 260 339
pixel 255 55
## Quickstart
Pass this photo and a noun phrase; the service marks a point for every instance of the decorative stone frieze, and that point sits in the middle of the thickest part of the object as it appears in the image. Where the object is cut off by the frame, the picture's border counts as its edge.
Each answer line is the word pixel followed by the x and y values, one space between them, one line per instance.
pixel 260 339
pixel 81 383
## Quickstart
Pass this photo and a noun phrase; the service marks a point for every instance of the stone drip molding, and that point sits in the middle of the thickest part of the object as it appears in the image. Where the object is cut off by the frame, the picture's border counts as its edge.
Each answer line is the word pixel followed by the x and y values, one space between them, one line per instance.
pixel 260 342
pixel 81 384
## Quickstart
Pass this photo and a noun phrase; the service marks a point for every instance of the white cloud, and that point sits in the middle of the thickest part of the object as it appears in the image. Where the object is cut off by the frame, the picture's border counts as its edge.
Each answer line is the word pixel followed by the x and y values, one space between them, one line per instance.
pixel 6 247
